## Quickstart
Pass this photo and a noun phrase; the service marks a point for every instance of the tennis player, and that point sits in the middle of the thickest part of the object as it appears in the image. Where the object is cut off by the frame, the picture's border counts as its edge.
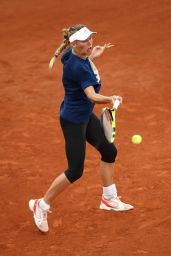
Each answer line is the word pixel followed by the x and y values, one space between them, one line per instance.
pixel 79 124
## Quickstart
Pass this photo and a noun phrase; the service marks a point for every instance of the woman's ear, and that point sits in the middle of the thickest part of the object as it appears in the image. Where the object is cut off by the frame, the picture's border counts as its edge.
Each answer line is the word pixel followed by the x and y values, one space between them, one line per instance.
pixel 73 44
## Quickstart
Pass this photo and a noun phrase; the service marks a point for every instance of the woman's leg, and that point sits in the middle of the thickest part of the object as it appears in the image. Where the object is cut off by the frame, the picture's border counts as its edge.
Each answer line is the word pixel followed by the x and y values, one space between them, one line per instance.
pixel 107 173
pixel 57 186
pixel 75 144
pixel 95 136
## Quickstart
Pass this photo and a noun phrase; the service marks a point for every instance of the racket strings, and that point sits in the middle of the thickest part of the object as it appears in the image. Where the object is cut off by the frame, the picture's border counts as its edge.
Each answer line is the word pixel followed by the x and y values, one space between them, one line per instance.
pixel 108 123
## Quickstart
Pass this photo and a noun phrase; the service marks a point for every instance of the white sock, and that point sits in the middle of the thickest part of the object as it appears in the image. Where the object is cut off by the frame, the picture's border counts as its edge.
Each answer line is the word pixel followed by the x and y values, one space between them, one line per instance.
pixel 44 205
pixel 110 191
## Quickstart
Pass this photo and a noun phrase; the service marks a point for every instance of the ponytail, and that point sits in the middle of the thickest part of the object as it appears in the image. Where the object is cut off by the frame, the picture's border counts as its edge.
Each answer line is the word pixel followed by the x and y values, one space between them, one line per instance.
pixel 62 47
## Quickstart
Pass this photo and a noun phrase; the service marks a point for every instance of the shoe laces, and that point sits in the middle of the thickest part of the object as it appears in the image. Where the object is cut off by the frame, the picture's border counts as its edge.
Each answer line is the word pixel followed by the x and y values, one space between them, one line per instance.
pixel 42 214
pixel 116 200
pixel 45 213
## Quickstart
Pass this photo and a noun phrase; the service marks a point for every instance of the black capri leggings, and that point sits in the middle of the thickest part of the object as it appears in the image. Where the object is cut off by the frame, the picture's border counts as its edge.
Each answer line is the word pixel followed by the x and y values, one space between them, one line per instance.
pixel 76 136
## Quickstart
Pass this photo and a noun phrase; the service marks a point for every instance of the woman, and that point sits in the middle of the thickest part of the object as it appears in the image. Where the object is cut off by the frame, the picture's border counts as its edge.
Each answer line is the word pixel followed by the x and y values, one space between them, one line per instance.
pixel 79 124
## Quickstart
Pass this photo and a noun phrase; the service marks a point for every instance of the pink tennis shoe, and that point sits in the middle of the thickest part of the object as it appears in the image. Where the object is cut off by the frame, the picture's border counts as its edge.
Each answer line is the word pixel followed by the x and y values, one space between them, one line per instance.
pixel 39 215
pixel 114 204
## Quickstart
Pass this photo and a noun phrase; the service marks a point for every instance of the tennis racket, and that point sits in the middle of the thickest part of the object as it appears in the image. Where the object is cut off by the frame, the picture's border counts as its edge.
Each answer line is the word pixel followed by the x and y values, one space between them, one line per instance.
pixel 107 119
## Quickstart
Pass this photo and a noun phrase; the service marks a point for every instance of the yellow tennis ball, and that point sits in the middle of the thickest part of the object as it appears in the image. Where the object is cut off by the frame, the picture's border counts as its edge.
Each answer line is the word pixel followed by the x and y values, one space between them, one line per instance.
pixel 136 139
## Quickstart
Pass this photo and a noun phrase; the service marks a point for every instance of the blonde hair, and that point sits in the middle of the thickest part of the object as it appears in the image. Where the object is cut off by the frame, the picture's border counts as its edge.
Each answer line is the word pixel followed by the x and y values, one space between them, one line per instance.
pixel 67 32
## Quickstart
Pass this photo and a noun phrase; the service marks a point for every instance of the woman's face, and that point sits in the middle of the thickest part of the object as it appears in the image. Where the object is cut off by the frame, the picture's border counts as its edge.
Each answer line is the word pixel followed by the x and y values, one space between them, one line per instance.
pixel 83 48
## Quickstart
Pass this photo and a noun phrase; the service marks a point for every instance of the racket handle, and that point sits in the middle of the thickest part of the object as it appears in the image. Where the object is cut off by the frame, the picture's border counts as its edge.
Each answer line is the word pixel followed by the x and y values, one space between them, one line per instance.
pixel 116 104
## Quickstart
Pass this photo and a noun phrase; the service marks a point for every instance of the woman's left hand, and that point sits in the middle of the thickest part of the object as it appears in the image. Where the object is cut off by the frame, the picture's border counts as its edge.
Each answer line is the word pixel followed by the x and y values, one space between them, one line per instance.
pixel 98 50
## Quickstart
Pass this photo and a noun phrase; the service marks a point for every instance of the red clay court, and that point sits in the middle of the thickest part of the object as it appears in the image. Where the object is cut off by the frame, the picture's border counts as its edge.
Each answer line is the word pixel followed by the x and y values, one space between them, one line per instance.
pixel 31 142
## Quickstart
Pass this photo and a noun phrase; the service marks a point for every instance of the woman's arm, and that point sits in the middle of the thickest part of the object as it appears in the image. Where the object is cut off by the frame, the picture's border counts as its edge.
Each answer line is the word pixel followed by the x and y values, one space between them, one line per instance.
pixel 98 98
